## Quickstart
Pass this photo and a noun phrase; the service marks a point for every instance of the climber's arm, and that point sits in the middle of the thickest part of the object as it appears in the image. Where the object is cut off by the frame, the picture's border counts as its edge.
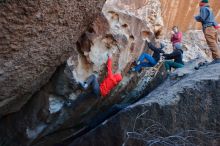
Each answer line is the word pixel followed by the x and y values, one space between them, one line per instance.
pixel 153 48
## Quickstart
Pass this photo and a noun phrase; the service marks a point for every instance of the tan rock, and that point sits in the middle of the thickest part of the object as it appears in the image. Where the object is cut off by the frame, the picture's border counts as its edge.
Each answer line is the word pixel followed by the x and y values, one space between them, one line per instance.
pixel 122 31
pixel 181 13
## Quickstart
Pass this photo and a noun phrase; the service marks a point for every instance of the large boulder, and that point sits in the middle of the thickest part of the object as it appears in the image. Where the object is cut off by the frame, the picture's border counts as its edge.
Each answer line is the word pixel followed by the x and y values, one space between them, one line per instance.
pixel 60 111
pixel 184 110
pixel 122 31
pixel 46 118
pixel 36 37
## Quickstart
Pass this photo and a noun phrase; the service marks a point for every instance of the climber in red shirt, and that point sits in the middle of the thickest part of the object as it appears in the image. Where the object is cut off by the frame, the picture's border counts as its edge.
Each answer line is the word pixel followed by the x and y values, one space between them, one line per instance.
pixel 110 81
pixel 176 36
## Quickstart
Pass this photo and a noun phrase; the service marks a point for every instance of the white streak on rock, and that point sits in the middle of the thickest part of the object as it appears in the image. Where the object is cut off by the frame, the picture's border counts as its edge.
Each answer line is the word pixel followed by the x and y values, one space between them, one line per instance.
pixel 55 104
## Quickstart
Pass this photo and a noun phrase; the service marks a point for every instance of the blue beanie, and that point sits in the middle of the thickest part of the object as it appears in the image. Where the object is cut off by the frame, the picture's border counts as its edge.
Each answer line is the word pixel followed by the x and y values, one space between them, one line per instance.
pixel 178 46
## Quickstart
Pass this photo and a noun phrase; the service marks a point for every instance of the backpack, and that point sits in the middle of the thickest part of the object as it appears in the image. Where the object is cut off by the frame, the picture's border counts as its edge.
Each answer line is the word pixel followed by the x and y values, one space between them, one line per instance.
pixel 217 26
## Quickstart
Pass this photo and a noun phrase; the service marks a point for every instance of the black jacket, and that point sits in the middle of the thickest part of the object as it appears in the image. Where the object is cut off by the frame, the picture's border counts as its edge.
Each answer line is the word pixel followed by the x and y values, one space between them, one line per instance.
pixel 177 55
pixel 156 51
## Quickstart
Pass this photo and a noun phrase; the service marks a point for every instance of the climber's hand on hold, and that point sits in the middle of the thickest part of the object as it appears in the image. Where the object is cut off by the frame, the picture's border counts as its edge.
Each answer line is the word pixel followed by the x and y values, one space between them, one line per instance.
pixel 172 32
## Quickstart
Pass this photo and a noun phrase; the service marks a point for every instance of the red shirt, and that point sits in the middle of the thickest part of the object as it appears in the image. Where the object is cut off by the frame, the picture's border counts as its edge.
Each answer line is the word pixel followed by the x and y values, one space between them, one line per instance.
pixel 217 26
pixel 110 81
pixel 177 38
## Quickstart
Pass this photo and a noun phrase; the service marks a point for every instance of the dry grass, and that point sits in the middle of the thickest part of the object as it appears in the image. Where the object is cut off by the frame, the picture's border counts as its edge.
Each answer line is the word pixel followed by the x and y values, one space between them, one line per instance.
pixel 155 134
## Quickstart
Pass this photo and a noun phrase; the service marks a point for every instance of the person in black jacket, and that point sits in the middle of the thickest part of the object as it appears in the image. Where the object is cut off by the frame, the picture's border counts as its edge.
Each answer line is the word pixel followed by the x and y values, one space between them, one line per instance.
pixel 151 61
pixel 177 56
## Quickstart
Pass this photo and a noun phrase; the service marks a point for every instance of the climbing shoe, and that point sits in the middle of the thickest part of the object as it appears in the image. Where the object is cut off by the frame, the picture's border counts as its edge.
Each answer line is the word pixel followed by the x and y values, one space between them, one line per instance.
pixel 84 85
pixel 200 64
pixel 131 70
pixel 138 62
pixel 68 103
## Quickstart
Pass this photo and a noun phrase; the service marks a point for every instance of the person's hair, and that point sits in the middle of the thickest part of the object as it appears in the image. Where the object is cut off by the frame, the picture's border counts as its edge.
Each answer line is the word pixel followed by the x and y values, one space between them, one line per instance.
pixel 175 27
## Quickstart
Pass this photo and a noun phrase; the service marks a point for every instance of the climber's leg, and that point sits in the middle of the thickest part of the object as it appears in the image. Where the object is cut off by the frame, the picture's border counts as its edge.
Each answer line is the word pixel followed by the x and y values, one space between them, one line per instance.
pixel 143 64
pixel 211 36
pixel 148 57
pixel 176 65
pixel 169 64
pixel 88 82
pixel 95 86
pixel 92 81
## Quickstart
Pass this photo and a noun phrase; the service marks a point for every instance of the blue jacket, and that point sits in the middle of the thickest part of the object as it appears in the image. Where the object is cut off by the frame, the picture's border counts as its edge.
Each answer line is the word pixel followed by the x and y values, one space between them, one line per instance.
pixel 206 17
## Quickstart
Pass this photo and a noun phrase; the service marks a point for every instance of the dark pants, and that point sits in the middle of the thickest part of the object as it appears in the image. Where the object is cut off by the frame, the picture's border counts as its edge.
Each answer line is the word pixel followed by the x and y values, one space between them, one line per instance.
pixel 169 64
pixel 151 61
pixel 93 81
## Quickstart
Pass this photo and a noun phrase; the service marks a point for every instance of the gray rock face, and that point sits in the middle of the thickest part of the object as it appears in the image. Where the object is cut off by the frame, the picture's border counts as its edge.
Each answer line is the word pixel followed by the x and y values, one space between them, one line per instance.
pixel 36 37
pixel 46 120
pixel 183 110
